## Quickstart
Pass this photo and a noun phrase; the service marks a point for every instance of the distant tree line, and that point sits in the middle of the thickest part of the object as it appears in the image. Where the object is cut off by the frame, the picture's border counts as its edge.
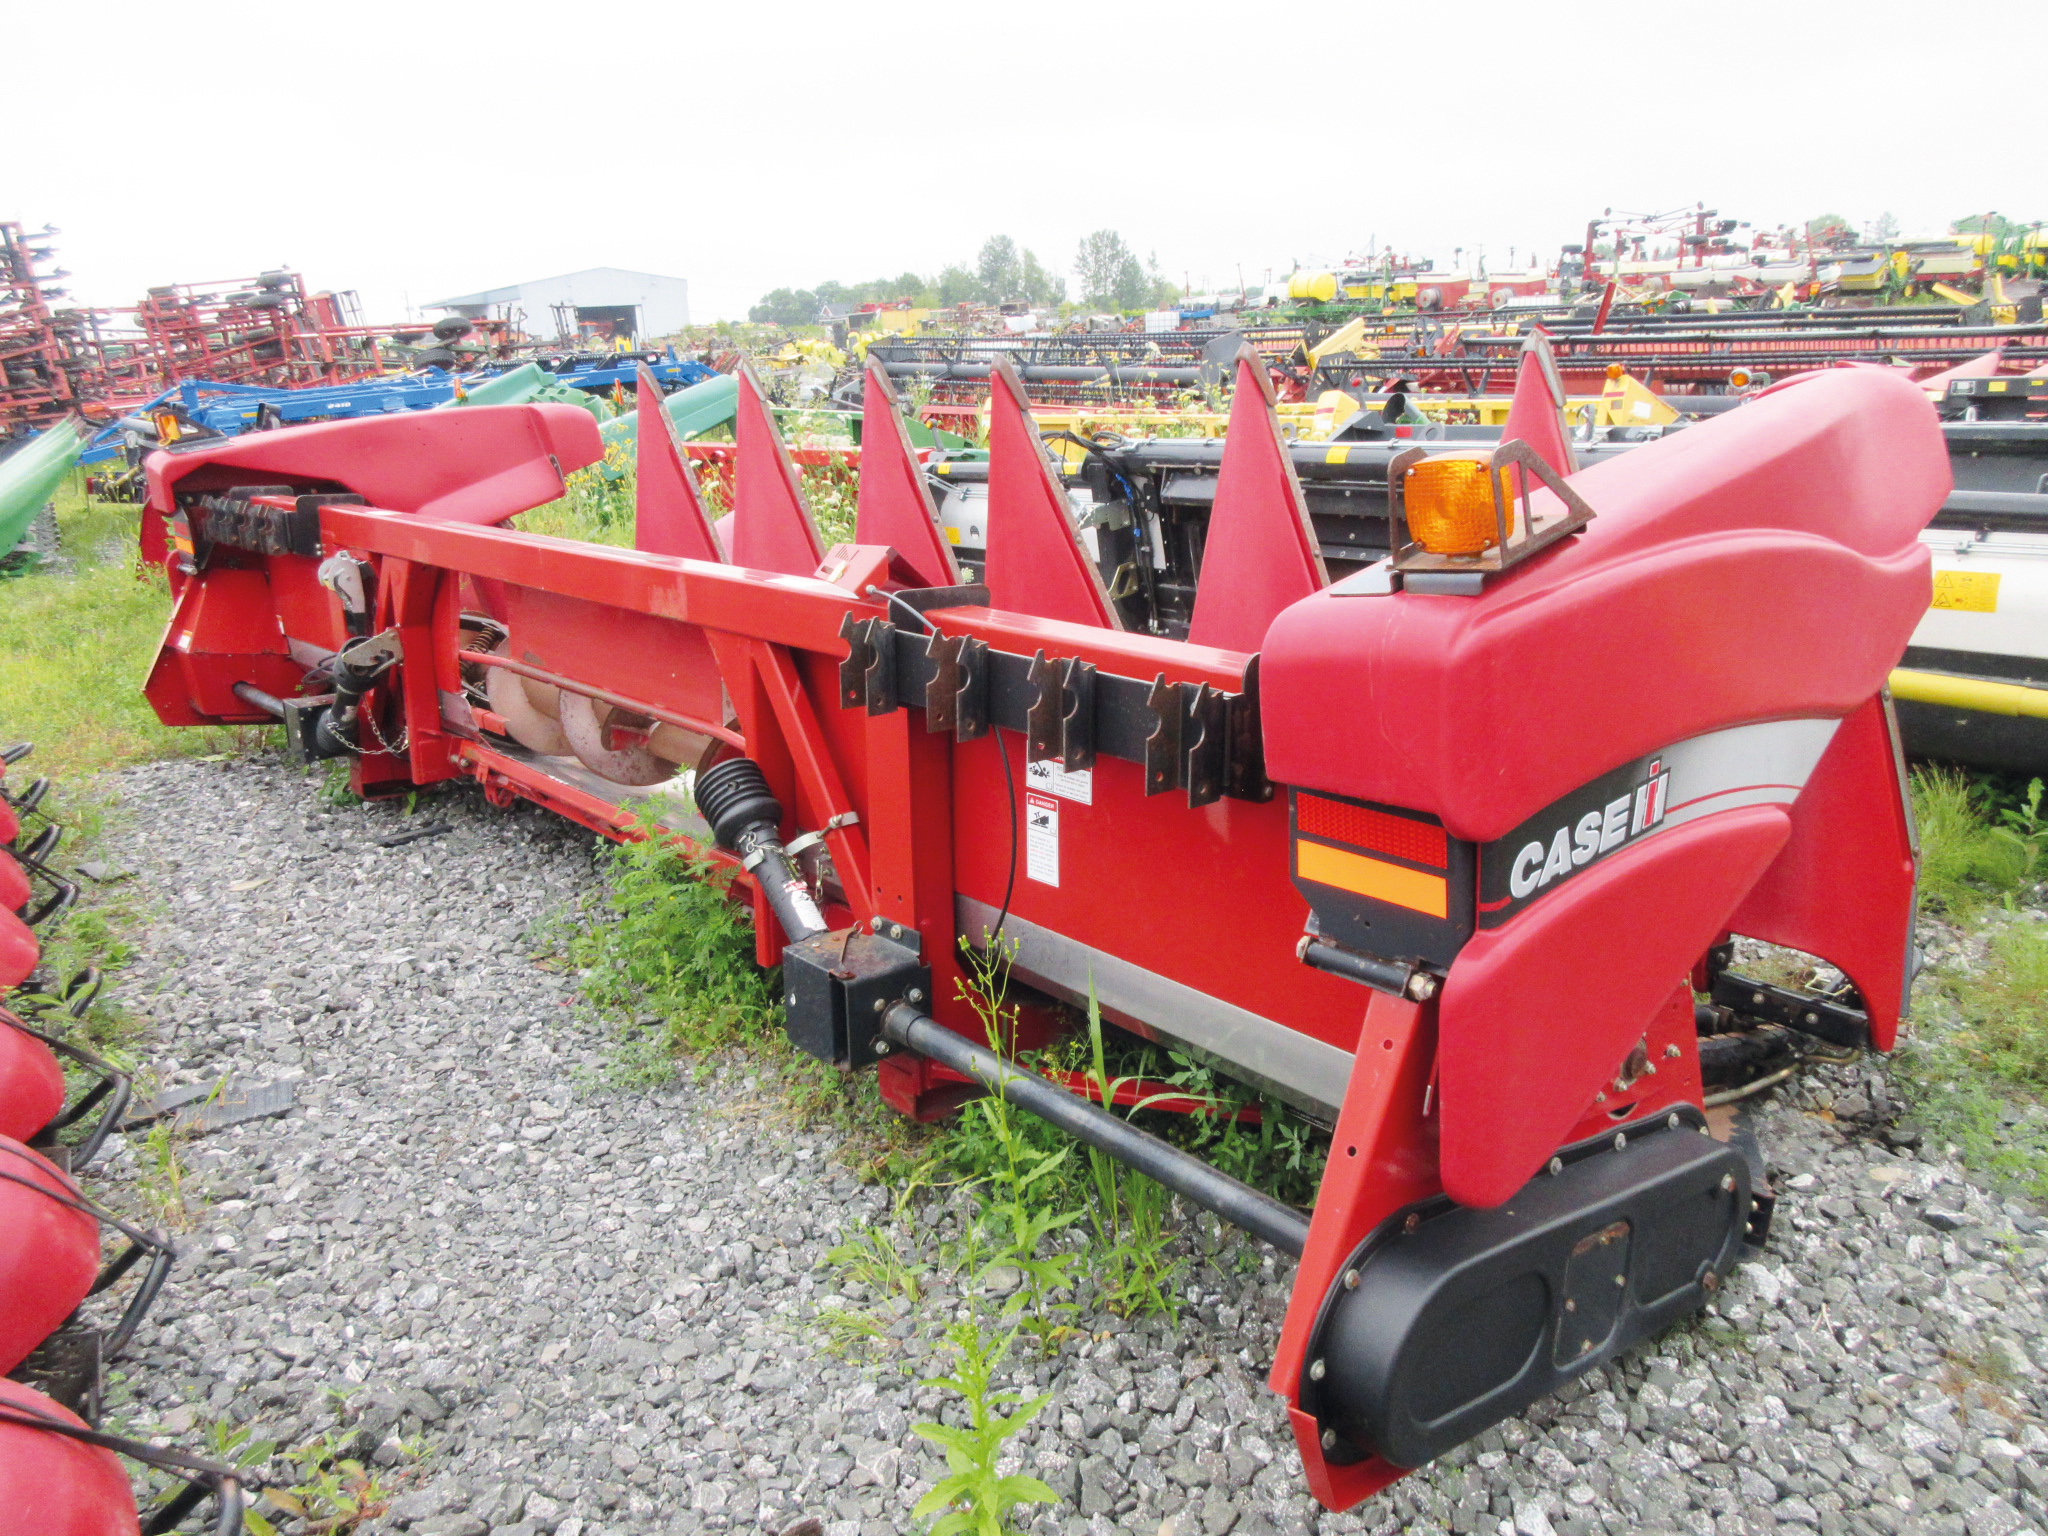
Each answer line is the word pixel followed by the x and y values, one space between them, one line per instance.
pixel 1108 273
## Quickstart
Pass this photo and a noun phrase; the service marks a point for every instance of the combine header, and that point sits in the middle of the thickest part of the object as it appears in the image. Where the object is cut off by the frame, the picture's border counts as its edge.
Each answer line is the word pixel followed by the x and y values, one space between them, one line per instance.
pixel 1442 852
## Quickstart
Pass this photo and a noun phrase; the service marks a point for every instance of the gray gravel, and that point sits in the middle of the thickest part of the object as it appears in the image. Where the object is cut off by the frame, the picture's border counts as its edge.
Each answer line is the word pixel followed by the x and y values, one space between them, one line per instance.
pixel 538 1304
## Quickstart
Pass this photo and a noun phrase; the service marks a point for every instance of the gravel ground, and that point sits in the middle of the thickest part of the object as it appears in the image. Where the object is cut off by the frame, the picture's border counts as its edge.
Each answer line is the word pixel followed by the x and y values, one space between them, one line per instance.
pixel 542 1305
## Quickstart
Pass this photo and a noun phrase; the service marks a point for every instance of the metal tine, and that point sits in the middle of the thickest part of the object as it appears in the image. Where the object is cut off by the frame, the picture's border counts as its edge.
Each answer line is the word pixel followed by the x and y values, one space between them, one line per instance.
pixel 1261 554
pixel 893 504
pixel 668 508
pixel 771 528
pixel 1037 564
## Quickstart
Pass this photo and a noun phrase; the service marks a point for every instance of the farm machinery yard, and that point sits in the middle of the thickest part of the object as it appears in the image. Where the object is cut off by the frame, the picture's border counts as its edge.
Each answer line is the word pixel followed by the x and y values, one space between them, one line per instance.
pixel 1441 748
pixel 1438 852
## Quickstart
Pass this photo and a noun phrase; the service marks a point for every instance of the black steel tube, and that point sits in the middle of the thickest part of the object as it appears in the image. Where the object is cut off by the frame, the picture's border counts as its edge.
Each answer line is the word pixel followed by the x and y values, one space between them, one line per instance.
pixel 1186 1175
pixel 1383 974
pixel 255 697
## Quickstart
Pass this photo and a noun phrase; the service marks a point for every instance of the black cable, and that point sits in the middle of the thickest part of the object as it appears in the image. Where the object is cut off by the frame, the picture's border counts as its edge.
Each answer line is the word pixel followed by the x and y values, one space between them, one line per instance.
pixel 875 591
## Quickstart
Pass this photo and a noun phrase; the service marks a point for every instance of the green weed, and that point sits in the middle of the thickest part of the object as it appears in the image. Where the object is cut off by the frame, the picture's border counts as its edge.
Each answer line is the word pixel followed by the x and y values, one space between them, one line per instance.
pixel 852 1334
pixel 336 1494
pixel 160 1175
pixel 2004 1008
pixel 1127 1210
pixel 872 1257
pixel 974 1495
pixel 667 939
pixel 1965 862
pixel 78 644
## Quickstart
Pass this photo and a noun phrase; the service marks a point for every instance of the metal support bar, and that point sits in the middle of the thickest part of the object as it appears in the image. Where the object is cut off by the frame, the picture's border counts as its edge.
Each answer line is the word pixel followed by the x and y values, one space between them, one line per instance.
pixel 1186 1175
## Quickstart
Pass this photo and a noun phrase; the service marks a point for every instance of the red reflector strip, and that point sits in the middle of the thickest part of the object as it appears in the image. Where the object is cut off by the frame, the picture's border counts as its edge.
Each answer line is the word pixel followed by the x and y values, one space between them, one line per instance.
pixel 1419 842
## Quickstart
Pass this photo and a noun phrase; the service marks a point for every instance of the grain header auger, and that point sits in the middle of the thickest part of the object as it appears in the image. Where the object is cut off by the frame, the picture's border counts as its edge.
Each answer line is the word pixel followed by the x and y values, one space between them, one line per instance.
pixel 1438 852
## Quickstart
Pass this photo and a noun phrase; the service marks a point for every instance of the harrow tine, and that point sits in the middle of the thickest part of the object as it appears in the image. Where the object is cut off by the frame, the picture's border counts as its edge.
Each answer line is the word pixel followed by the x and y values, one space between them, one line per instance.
pixel 1261 555
pixel 772 528
pixel 894 503
pixel 668 512
pixel 1037 563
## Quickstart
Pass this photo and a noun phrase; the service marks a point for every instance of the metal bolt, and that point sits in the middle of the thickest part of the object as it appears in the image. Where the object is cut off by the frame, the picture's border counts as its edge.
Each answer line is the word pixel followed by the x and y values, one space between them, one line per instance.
pixel 1586 1348
pixel 881 1047
pixel 1671 1121
pixel 895 930
pixel 915 994
pixel 1329 1439
pixel 1350 1279
pixel 1557 1165
pixel 1649 1069
pixel 1412 1224
pixel 880 1005
pixel 1710 1281
pixel 1620 1281
pixel 1570 1305
pixel 876 923
pixel 1600 1098
pixel 1421 986
pixel 1671 1053
pixel 1620 1141
pixel 1317 1370
pixel 1727 1183
pixel 791 999
pixel 1757 998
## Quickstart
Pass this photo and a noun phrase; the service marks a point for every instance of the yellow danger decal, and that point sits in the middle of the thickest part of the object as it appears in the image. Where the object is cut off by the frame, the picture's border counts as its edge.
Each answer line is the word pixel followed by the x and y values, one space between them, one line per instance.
pixel 1970 591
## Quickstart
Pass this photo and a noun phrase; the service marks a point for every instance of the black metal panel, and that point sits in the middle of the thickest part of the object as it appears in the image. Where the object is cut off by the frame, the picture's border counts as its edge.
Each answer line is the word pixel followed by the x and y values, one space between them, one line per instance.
pixel 1458 1318
pixel 837 986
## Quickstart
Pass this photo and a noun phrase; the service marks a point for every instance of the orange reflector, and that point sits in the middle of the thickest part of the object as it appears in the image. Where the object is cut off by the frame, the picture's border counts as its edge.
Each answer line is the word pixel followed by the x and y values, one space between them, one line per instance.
pixel 1429 894
pixel 1614 370
pixel 1419 842
pixel 1450 507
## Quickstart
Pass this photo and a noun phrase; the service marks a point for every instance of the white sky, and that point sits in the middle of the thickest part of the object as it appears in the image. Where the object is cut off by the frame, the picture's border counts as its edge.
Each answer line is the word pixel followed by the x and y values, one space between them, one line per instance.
pixel 413 151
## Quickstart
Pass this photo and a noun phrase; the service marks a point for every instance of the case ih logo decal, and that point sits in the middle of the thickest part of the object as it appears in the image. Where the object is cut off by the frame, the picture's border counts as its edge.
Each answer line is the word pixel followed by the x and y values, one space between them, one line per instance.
pixel 1764 764
pixel 1594 821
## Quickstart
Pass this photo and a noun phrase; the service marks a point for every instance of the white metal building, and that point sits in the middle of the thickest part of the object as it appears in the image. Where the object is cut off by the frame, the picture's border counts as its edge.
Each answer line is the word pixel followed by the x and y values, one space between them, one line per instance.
pixel 593 306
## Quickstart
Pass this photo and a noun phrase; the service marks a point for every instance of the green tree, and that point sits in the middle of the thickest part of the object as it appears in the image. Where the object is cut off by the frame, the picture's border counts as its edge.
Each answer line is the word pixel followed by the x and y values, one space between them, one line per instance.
pixel 1000 271
pixel 1881 230
pixel 786 306
pixel 1036 285
pixel 957 285
pixel 1110 275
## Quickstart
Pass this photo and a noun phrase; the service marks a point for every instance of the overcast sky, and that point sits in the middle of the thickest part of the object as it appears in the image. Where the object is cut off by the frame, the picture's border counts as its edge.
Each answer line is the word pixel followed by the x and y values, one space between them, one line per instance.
pixel 415 151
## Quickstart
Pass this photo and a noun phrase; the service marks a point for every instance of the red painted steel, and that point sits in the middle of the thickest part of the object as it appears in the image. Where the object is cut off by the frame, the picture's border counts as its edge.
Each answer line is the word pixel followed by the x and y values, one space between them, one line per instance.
pixel 51 1256
pixel 51 1484
pixel 1536 413
pixel 480 465
pixel 668 510
pixel 1530 1028
pixel 1786 530
pixel 31 1082
pixel 1260 555
pixel 14 887
pixel 19 951
pixel 893 504
pixel 772 529
pixel 1843 887
pixel 1036 561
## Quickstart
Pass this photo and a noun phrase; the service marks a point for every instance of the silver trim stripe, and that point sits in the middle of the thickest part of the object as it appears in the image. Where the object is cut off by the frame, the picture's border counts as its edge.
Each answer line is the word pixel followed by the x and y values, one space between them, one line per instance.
pixel 1293 1066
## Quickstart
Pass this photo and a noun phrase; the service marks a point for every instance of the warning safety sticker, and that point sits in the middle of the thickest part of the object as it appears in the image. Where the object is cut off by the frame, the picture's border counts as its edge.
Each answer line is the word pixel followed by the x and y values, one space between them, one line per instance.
pixel 1969 591
pixel 1041 838
pixel 1079 784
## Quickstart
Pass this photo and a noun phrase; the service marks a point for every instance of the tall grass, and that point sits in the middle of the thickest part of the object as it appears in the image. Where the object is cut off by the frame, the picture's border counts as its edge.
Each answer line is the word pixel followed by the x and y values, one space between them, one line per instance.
pixel 75 646
pixel 1966 863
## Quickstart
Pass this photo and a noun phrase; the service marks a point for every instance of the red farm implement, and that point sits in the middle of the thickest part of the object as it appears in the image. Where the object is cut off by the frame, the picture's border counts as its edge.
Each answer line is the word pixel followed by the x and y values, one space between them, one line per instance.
pixel 1438 852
